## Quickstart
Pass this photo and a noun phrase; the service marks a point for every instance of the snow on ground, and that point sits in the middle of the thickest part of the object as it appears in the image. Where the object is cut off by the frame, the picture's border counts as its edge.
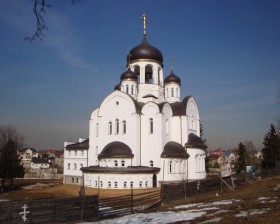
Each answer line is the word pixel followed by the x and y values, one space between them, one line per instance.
pixel 190 212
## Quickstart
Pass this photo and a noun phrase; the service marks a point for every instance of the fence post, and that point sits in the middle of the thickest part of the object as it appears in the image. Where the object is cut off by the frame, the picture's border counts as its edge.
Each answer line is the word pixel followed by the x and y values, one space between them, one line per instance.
pixel 131 203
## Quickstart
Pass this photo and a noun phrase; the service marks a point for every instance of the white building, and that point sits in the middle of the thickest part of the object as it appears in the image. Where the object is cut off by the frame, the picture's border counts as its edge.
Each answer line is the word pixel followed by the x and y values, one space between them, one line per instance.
pixel 144 133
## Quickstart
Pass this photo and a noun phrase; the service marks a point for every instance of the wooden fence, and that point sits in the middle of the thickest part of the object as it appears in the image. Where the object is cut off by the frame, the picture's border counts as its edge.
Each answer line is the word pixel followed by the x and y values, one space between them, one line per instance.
pixel 49 210
pixel 128 203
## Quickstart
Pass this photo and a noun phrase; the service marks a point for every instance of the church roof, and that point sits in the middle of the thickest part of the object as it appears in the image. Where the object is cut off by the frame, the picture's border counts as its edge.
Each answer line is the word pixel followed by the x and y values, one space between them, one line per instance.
pixel 195 142
pixel 117 87
pixel 144 51
pixel 79 145
pixel 122 170
pixel 129 75
pixel 174 150
pixel 172 78
pixel 116 150
pixel 179 108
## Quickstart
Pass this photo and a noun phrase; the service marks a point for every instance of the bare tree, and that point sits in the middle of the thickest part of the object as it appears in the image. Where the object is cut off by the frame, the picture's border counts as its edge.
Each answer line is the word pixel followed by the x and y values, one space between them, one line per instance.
pixel 251 152
pixel 40 8
pixel 10 133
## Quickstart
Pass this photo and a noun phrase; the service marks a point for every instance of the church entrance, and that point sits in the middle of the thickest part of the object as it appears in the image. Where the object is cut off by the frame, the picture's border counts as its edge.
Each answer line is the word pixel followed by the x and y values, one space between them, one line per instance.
pixel 154 180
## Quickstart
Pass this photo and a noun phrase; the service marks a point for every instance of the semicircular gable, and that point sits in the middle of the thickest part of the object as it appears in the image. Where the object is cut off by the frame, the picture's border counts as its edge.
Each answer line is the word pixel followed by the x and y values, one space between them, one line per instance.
pixel 150 108
pixel 116 99
pixel 94 113
pixel 167 109
pixel 192 108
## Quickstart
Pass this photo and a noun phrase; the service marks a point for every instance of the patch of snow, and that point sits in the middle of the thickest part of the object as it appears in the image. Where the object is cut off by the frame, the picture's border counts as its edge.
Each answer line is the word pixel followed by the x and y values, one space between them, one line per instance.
pixel 215 220
pixel 263 198
pixel 221 211
pixel 252 212
pixel 223 202
pixel 154 218
pixel 189 205
pixel 203 209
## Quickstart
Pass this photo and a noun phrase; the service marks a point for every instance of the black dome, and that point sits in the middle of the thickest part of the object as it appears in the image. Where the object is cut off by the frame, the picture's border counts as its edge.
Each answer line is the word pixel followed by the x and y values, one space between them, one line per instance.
pixel 172 78
pixel 116 150
pixel 145 51
pixel 174 150
pixel 195 142
pixel 118 87
pixel 129 75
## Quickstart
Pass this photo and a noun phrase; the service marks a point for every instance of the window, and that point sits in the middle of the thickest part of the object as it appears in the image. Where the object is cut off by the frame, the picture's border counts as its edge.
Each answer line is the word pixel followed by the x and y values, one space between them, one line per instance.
pixel 123 163
pixel 172 92
pixel 116 163
pixel 69 153
pixel 117 126
pixel 151 163
pixel 77 180
pixel 146 184
pixel 131 184
pixel 132 90
pixel 116 184
pixel 97 129
pixel 140 184
pixel 166 94
pixel 109 184
pixel 166 127
pixel 170 167
pixel 101 184
pixel 151 126
pixel 110 128
pixel 81 165
pixel 126 88
pixel 75 152
pixel 68 166
pixel 124 184
pixel 73 181
pixel 177 92
pixel 82 152
pixel 124 127
pixel 75 166
pixel 96 183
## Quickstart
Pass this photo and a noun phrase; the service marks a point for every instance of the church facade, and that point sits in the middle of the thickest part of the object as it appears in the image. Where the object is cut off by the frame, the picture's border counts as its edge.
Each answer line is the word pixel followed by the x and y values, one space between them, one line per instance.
pixel 144 133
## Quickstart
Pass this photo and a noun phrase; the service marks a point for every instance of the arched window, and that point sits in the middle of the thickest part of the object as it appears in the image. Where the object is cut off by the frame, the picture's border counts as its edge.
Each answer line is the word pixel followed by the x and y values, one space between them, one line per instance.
pixel 149 74
pixel 82 152
pixel 166 93
pixel 132 90
pixel 151 163
pixel 140 184
pixel 126 88
pixel 110 128
pixel 68 166
pixel 172 92
pixel 151 126
pixel 123 163
pixel 101 184
pixel 131 184
pixel 124 184
pixel 116 184
pixel 146 184
pixel 109 184
pixel 117 126
pixel 96 183
pixel 75 166
pixel 81 165
pixel 116 163
pixel 124 127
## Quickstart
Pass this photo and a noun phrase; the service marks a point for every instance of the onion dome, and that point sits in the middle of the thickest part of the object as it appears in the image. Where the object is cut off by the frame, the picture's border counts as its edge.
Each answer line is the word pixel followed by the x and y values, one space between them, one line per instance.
pixel 116 150
pixel 195 142
pixel 129 75
pixel 144 52
pixel 118 87
pixel 172 78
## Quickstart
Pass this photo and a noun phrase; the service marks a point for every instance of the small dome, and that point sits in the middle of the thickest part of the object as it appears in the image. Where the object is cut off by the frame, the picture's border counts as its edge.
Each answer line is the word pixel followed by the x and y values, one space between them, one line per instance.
pixel 172 78
pixel 129 75
pixel 144 51
pixel 195 142
pixel 118 87
pixel 116 150
pixel 174 150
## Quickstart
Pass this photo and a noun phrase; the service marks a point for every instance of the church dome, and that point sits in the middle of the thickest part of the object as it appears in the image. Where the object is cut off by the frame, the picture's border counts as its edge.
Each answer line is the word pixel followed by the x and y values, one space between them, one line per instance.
pixel 117 87
pixel 116 150
pixel 129 75
pixel 195 142
pixel 174 150
pixel 172 78
pixel 144 51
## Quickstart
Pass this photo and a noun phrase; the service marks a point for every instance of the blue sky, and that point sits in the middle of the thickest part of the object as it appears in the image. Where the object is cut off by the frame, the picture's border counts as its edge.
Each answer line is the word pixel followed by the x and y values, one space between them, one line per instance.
pixel 226 52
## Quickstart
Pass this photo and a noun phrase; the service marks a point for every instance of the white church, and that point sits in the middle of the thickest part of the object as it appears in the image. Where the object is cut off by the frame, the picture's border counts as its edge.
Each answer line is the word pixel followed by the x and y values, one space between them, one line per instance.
pixel 143 134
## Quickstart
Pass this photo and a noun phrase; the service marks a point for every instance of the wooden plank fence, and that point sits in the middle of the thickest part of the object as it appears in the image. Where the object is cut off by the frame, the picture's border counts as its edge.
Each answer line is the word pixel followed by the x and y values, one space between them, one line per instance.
pixel 128 203
pixel 49 210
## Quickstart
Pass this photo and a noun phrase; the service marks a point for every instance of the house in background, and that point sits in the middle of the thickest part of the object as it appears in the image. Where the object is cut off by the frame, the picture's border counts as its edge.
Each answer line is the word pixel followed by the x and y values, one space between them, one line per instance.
pixel 26 155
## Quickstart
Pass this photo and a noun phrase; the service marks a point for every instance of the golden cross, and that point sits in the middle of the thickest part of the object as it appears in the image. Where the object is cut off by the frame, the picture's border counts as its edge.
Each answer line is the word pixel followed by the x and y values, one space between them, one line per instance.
pixel 145 23
pixel 172 62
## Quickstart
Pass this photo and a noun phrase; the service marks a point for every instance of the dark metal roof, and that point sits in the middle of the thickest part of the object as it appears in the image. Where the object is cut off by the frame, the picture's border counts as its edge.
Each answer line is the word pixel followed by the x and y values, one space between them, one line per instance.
pixel 179 108
pixel 121 170
pixel 172 78
pixel 174 150
pixel 116 150
pixel 79 145
pixel 150 95
pixel 129 75
pixel 195 142
pixel 144 51
pixel 39 160
pixel 117 87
